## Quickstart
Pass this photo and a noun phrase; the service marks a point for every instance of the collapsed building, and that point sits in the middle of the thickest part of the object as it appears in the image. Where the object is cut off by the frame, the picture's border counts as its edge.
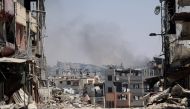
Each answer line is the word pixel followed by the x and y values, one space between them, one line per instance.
pixel 22 59
pixel 175 15
pixel 74 83
pixel 176 39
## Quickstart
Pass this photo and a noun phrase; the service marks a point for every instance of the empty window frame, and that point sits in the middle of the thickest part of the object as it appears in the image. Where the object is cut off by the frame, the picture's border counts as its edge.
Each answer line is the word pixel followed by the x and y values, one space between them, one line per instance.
pixel 136 86
pixel 110 89
pixel 68 82
pixel 109 77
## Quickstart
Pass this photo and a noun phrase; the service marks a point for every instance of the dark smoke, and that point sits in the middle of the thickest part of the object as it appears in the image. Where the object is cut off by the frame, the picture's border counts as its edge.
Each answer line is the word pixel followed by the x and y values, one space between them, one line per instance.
pixel 98 43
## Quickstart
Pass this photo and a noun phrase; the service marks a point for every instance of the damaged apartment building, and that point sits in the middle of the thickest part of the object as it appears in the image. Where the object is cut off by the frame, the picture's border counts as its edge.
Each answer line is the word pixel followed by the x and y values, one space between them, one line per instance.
pixel 153 75
pixel 175 32
pixel 75 84
pixel 123 88
pixel 22 60
pixel 175 17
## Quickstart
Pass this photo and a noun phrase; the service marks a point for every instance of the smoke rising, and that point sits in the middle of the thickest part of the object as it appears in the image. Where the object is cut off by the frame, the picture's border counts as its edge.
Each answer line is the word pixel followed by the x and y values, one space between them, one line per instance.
pixel 99 43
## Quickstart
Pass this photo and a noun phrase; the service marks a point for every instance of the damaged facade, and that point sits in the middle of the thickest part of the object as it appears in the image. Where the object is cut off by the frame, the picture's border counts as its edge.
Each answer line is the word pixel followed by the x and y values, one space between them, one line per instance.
pixel 175 33
pixel 75 84
pixel 123 88
pixel 175 18
pixel 21 50
pixel 152 75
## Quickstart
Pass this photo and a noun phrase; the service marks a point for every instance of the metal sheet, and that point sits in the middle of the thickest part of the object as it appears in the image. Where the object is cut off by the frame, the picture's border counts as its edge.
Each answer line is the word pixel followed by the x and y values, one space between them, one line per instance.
pixel 12 60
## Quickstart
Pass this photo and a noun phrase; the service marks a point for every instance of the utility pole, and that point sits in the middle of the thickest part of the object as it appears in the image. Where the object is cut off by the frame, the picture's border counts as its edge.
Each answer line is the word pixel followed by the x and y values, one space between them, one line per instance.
pixel 104 95
pixel 142 74
pixel 170 28
pixel 129 81
pixel 167 27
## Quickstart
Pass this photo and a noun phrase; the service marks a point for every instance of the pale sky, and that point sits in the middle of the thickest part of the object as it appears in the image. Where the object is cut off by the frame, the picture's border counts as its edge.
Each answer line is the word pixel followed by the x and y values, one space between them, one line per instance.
pixel 101 31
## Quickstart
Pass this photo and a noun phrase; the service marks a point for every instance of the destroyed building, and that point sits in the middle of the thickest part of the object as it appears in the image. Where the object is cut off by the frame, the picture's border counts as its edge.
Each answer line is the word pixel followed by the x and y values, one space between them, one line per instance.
pixel 153 75
pixel 69 83
pixel 176 39
pixel 96 93
pixel 123 88
pixel 22 59
pixel 75 83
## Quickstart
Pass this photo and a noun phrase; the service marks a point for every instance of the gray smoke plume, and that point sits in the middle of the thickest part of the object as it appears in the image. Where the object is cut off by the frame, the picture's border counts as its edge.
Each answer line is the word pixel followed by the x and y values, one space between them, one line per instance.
pixel 99 43
pixel 103 43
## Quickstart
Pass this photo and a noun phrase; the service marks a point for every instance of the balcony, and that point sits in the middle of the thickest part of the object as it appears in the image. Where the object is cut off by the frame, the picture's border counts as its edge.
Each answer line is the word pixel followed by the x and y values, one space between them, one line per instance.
pixel 136 78
pixel 180 52
pixel 182 20
pixel 184 2
pixel 183 16
pixel 20 14
pixel 33 25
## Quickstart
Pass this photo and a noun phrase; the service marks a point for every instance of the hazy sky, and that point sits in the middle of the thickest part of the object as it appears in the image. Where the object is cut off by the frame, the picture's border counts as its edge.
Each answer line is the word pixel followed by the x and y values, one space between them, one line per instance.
pixel 101 31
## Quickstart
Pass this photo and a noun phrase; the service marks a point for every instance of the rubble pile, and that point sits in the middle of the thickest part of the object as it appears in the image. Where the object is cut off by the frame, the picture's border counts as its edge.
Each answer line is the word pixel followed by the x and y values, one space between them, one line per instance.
pixel 62 100
pixel 175 97
pixel 18 100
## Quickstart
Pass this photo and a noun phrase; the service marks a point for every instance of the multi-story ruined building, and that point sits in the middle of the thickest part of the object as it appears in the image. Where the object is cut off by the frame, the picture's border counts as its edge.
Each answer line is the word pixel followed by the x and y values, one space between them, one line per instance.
pixel 176 38
pixel 123 88
pixel 22 60
pixel 75 83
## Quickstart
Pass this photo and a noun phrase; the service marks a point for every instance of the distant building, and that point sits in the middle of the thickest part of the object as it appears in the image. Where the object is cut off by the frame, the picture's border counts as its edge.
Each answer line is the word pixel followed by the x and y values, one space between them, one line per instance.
pixel 67 82
pixel 96 93
pixel 153 73
pixel 77 83
pixel 123 88
pixel 45 91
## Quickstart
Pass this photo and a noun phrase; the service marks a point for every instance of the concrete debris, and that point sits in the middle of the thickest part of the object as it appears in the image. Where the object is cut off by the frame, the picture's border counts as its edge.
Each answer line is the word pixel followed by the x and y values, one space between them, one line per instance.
pixel 2 103
pixel 77 105
pixel 32 105
pixel 62 100
pixel 165 106
pixel 20 97
pixel 175 97
pixel 10 106
pixel 19 101
pixel 19 106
